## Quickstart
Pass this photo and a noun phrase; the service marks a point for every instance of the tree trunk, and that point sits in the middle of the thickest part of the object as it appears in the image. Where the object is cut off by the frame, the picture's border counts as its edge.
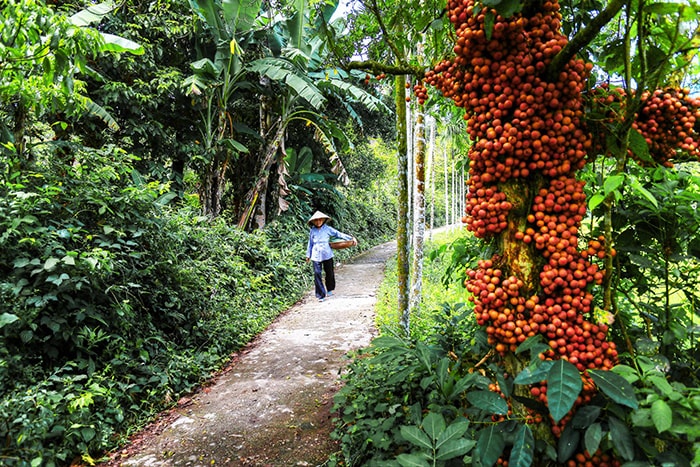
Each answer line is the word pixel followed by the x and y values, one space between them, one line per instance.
pixel 447 192
pixel 254 201
pixel 402 225
pixel 431 172
pixel 211 190
pixel 419 215
pixel 20 118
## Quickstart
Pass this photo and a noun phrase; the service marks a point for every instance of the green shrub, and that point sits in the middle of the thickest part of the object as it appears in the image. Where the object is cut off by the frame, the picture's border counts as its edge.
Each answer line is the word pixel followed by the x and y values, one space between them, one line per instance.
pixel 113 304
pixel 440 398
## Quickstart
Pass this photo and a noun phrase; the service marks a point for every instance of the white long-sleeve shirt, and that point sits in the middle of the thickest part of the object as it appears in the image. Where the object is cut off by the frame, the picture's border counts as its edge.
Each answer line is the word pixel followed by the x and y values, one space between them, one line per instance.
pixel 319 238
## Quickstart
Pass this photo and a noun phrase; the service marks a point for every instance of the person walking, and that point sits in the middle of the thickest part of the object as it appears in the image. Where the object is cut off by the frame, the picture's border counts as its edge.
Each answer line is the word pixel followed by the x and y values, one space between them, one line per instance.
pixel 320 253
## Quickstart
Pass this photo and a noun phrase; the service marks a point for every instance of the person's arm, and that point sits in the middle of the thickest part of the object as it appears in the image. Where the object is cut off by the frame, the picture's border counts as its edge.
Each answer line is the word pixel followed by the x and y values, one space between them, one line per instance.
pixel 309 247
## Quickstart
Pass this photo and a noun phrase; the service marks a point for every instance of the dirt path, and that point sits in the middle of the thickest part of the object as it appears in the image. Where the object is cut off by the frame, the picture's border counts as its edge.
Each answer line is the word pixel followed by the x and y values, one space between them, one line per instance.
pixel 271 407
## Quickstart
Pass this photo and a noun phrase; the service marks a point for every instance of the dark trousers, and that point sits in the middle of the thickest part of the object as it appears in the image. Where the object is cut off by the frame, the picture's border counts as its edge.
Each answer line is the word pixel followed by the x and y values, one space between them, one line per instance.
pixel 319 268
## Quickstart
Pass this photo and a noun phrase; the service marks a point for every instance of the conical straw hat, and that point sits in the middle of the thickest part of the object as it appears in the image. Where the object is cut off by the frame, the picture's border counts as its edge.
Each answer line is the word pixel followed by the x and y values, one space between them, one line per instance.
pixel 318 215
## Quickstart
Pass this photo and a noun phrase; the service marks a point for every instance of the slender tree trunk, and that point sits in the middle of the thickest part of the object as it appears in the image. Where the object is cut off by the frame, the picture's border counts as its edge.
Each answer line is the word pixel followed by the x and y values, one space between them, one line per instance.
pixel 256 195
pixel 431 171
pixel 410 154
pixel 211 190
pixel 402 225
pixel 419 217
pixel 20 118
pixel 447 193
pixel 213 183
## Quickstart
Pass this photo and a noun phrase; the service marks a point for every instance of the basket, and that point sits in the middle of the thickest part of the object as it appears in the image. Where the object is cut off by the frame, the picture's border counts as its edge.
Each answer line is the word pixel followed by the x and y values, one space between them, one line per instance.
pixel 339 244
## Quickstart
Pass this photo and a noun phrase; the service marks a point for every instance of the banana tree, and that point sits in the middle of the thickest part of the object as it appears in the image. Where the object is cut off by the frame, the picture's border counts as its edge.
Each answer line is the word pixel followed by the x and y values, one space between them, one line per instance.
pixel 298 100
pixel 296 89
pixel 214 81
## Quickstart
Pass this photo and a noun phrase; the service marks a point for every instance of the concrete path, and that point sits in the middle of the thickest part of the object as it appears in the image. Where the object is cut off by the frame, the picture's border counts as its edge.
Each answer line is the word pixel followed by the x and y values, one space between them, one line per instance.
pixel 272 406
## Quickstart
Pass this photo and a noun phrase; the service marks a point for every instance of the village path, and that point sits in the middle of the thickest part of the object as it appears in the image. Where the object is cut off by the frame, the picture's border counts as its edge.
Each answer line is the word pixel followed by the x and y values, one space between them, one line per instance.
pixel 272 405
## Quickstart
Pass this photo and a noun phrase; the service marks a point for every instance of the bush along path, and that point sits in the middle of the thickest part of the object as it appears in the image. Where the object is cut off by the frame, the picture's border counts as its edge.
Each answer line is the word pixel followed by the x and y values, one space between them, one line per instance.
pixel 272 405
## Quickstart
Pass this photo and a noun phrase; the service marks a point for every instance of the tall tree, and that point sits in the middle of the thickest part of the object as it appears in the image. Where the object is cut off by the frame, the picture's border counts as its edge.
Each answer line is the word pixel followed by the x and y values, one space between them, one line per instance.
pixel 419 213
pixel 380 38
pixel 523 92
pixel 218 73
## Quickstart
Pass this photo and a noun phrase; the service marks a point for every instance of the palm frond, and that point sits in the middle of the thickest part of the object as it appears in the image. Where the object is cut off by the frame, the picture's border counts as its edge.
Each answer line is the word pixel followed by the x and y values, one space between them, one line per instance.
pixel 283 71
pixel 354 92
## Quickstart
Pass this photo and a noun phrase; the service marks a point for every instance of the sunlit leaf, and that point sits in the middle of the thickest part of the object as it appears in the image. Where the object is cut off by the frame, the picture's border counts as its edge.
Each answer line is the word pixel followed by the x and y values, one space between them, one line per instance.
pixel 51 263
pixel 639 189
pixel 595 201
pixel 612 183
pixel 661 415
pixel 7 318
pixel 114 43
pixel 92 14
pixel 615 387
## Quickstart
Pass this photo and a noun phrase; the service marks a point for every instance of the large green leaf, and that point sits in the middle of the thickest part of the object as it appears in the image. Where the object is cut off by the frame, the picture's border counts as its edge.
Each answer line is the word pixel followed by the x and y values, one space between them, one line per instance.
pixel 612 183
pixel 490 445
pixel 455 448
pixel 595 201
pixel 7 318
pixel 295 26
pixel 568 444
pixel 638 188
pixel 355 92
pixel 615 387
pixel 621 438
pixel 534 373
pixel 434 425
pixel 592 437
pixel 563 387
pixel 241 14
pixel 454 431
pixel 661 415
pixel 416 436
pixel 585 416
pixel 413 460
pixel 114 43
pixel 208 12
pixel 523 448
pixel 92 14
pixel 535 345
pixel 234 145
pixel 488 401
pixel 639 146
pixel 284 72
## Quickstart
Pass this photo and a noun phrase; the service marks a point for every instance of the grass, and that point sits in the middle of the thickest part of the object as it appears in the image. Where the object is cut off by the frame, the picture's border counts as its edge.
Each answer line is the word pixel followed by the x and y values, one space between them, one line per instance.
pixel 437 289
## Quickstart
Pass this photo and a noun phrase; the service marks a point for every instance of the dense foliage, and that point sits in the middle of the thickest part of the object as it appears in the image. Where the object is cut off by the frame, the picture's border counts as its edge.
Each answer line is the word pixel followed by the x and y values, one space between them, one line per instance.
pixel 120 289
pixel 158 161
pixel 115 303
pixel 572 110
pixel 439 397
